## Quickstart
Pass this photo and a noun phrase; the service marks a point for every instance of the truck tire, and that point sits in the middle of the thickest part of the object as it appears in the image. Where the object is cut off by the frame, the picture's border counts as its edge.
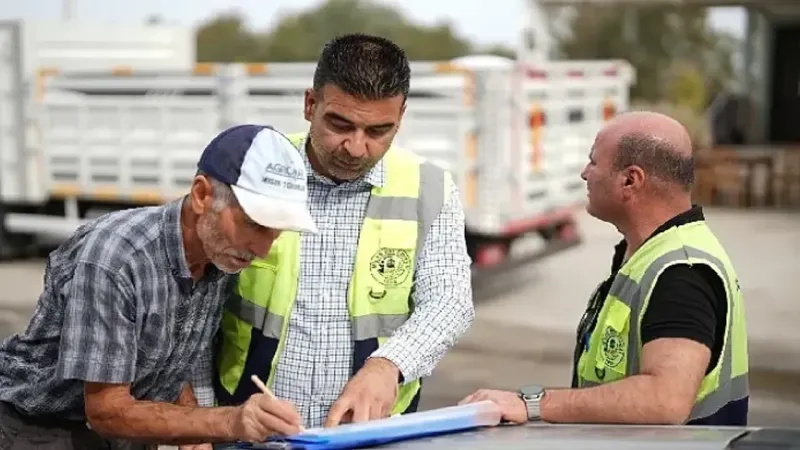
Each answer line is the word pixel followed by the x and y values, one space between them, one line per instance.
pixel 14 245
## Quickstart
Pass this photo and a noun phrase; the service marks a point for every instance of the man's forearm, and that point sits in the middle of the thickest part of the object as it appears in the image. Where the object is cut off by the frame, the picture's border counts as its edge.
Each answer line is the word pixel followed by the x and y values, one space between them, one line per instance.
pixel 633 400
pixel 165 423
pixel 419 344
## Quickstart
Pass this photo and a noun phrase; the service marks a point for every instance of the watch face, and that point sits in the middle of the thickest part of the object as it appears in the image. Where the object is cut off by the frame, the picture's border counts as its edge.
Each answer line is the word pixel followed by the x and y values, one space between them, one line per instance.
pixel 532 390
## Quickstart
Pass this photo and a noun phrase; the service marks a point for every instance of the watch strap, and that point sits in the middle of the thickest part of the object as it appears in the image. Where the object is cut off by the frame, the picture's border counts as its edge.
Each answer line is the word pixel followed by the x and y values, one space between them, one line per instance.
pixel 533 402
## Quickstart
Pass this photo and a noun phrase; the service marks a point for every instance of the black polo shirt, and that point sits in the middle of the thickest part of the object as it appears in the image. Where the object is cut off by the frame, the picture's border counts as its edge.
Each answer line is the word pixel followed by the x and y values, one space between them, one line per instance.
pixel 686 302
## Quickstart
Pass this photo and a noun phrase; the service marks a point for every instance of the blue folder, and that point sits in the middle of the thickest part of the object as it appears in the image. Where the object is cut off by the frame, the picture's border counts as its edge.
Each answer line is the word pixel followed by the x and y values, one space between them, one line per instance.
pixel 377 432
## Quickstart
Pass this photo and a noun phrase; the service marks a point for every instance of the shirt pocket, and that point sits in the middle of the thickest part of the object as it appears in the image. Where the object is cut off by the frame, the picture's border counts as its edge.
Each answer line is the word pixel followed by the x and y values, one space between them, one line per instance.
pixel 611 359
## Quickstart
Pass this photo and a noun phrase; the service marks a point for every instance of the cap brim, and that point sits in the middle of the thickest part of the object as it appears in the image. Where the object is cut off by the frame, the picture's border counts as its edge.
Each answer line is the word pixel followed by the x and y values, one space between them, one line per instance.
pixel 275 213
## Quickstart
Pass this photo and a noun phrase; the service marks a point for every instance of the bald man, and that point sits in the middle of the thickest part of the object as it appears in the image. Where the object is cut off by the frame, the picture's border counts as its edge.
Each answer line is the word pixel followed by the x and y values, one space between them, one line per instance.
pixel 663 338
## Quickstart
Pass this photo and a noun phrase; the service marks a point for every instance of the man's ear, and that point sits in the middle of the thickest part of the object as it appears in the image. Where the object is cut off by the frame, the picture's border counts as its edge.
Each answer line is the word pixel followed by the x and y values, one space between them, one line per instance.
pixel 201 194
pixel 309 101
pixel 634 177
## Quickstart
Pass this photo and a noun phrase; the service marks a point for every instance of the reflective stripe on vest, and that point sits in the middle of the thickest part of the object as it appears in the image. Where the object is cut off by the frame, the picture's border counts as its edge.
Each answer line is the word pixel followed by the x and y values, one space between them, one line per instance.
pixel 398 217
pixel 728 381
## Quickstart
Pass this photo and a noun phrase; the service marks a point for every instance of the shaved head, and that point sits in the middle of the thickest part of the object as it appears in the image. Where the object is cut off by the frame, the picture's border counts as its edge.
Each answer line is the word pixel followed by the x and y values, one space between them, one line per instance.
pixel 657 143
pixel 640 173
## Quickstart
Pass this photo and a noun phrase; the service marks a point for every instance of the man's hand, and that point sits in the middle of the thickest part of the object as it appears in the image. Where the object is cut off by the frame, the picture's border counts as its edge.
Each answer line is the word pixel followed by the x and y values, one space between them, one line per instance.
pixel 512 407
pixel 196 447
pixel 111 411
pixel 262 416
pixel 369 395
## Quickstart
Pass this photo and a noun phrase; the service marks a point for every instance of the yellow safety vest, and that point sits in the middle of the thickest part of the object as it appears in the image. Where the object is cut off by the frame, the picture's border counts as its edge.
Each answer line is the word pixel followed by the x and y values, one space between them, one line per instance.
pixel 614 349
pixel 398 217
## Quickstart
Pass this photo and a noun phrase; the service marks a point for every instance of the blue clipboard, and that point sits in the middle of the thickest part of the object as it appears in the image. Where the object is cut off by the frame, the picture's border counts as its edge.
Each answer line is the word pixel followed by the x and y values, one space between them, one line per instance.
pixel 393 429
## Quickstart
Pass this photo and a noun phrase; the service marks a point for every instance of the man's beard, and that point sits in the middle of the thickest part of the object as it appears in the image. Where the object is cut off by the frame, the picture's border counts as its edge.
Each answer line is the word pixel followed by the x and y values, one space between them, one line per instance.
pixel 328 162
pixel 214 242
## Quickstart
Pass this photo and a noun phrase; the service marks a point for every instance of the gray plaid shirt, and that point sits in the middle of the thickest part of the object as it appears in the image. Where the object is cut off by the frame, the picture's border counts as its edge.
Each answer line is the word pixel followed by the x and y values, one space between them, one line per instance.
pixel 118 306
pixel 317 359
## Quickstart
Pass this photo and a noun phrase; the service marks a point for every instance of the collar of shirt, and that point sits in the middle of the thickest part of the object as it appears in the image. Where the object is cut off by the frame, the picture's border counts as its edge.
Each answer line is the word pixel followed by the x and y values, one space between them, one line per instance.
pixel 694 214
pixel 173 239
pixel 376 177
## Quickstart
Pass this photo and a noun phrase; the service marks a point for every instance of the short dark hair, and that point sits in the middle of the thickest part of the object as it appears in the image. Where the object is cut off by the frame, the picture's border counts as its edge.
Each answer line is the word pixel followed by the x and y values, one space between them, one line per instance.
pixel 657 157
pixel 367 67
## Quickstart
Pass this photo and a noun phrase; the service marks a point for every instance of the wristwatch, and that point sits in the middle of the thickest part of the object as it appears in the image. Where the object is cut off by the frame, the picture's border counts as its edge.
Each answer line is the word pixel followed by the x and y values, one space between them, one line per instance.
pixel 532 396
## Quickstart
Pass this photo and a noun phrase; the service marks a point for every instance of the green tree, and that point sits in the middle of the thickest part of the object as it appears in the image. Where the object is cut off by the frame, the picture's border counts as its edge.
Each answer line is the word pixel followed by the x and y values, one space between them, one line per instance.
pixel 300 36
pixel 685 87
pixel 654 39
pixel 226 39
pixel 499 50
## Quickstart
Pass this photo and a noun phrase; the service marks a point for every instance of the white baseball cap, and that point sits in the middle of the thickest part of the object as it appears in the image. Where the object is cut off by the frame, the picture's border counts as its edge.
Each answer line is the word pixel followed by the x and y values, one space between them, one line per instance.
pixel 266 173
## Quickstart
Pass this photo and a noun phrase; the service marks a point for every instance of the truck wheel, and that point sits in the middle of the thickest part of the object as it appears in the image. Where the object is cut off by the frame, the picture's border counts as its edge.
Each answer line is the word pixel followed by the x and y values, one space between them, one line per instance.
pixel 4 245
pixel 491 252
pixel 13 245
pixel 548 234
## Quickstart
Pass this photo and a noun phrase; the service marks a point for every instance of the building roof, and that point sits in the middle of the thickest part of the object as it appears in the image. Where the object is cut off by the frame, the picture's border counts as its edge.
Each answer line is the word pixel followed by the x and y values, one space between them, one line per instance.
pixel 770 7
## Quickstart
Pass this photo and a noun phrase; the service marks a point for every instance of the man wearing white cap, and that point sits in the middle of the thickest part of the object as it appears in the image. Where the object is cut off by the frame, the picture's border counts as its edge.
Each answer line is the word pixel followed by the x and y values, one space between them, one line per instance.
pixel 132 299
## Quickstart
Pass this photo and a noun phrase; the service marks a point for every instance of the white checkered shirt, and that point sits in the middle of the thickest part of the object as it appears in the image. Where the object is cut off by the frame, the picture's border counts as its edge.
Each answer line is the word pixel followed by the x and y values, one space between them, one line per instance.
pixel 317 360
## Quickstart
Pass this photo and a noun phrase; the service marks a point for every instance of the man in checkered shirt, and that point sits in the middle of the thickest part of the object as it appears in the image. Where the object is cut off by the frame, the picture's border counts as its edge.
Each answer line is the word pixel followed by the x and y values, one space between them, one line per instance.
pixel 131 300
pixel 355 109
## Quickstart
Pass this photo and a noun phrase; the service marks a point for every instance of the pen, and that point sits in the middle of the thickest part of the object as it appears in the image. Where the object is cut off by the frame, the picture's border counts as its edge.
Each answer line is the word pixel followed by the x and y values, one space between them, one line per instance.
pixel 263 387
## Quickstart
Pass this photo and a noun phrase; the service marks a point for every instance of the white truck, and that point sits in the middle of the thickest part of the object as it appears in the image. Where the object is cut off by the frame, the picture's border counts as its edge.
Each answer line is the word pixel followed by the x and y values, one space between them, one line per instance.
pixel 515 135
pixel 29 51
